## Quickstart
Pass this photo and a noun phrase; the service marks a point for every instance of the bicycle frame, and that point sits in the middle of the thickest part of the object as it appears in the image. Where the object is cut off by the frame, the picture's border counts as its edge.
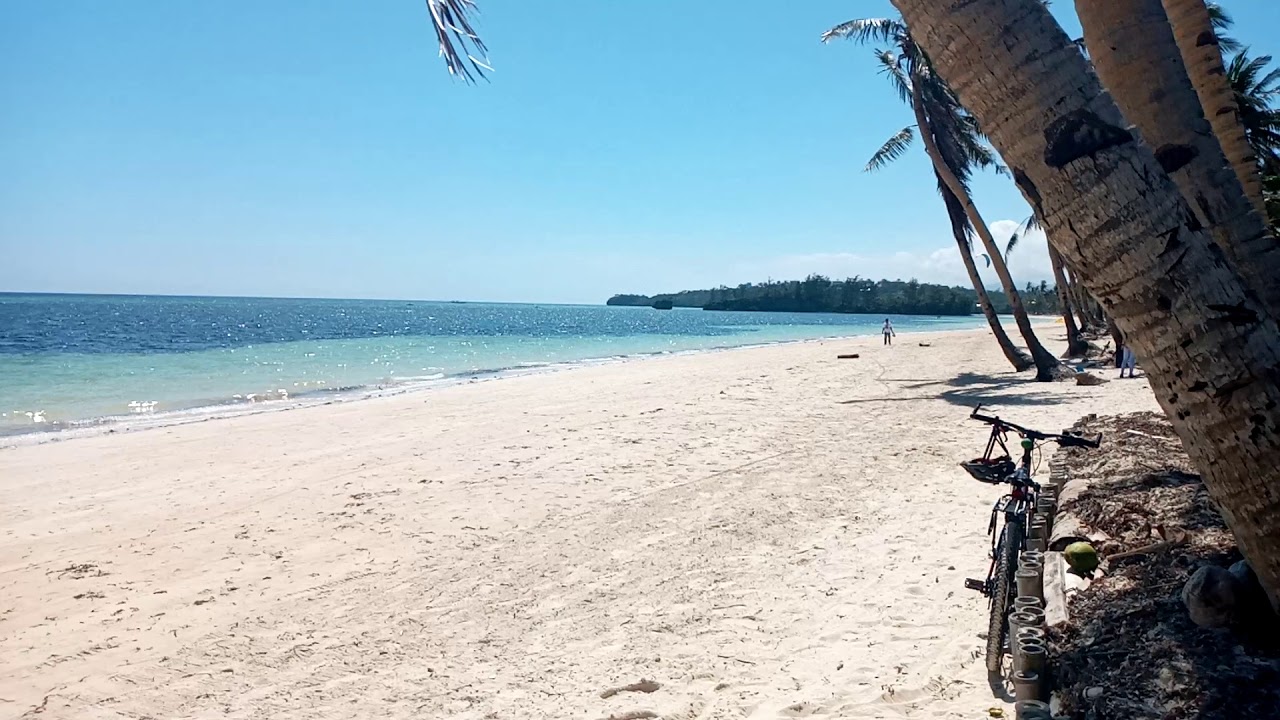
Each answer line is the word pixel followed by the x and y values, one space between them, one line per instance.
pixel 1016 505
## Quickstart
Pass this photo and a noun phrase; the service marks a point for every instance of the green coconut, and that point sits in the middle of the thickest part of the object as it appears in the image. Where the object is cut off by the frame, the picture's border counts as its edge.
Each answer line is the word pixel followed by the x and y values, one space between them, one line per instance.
pixel 1081 557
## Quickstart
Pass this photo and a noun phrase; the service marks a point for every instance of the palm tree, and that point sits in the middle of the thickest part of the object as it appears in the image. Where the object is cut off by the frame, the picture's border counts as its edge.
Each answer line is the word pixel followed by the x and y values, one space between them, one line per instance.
pixel 1193 27
pixel 1255 93
pixel 452 22
pixel 1210 349
pixel 962 231
pixel 1079 298
pixel 1137 58
pixel 1076 345
pixel 954 145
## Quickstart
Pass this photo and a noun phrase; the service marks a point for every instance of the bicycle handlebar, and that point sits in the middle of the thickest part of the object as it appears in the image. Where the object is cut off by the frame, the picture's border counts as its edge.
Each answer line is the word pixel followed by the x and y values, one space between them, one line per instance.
pixel 1066 439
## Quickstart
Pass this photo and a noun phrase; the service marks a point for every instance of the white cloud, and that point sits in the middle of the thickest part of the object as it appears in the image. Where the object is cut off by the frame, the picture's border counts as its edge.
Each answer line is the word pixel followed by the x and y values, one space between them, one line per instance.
pixel 1028 263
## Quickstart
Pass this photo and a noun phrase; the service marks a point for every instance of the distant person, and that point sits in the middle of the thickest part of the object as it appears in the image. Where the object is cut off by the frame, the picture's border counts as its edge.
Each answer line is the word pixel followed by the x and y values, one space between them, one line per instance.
pixel 1128 361
pixel 888 332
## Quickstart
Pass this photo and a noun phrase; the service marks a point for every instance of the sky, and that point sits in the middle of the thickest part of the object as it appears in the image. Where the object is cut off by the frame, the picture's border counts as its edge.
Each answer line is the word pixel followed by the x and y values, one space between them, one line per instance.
pixel 318 148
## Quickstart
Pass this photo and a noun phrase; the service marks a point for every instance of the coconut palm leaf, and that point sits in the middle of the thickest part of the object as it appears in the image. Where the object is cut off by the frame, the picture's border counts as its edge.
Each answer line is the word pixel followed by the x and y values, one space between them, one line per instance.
pixel 452 22
pixel 884 30
pixel 892 149
pixel 955 213
pixel 891 67
pixel 1013 243
pixel 1222 22
pixel 1031 223
pixel 1256 90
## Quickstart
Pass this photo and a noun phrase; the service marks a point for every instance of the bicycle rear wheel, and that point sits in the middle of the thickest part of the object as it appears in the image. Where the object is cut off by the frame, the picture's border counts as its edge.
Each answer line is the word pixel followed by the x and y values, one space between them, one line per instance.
pixel 1002 589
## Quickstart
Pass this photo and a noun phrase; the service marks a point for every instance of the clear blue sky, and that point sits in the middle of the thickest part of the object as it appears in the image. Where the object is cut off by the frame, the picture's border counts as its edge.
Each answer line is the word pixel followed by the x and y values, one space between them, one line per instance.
pixel 319 148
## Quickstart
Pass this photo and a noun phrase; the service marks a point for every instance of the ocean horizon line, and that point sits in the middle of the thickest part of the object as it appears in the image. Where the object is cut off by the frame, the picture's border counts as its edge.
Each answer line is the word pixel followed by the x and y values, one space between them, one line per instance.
pixel 188 296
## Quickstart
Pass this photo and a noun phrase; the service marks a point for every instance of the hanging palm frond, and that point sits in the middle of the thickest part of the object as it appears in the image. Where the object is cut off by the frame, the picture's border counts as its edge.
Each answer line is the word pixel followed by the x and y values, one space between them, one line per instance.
pixel 1013 243
pixel 1019 233
pixel 955 213
pixel 891 67
pixel 892 149
pixel 454 32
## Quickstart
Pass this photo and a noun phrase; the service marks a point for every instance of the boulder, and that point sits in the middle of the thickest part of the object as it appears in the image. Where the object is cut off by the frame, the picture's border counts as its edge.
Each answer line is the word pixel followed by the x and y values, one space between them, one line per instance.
pixel 1211 596
pixel 1253 608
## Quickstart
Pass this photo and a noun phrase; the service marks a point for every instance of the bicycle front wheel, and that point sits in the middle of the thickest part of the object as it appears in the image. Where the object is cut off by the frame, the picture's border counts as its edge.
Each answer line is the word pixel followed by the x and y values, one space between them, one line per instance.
pixel 1002 589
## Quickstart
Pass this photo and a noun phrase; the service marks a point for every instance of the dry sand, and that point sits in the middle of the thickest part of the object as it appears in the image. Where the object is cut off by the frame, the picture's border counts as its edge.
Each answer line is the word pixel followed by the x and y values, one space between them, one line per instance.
pixel 764 533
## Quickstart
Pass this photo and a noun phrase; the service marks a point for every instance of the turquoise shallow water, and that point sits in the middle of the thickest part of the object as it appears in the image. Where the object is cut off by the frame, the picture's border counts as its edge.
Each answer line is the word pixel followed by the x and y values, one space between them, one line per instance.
pixel 71 360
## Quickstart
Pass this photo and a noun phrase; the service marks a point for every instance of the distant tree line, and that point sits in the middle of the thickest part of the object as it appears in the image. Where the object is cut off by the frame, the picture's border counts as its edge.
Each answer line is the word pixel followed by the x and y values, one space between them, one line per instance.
pixel 818 293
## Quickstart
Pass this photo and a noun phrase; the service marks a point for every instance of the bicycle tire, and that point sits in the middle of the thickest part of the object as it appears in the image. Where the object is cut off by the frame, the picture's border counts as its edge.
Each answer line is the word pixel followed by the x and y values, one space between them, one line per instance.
pixel 1002 589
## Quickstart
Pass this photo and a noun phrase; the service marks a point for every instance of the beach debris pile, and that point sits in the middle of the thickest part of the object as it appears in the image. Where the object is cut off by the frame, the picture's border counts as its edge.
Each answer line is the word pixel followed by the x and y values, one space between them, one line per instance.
pixel 1168 628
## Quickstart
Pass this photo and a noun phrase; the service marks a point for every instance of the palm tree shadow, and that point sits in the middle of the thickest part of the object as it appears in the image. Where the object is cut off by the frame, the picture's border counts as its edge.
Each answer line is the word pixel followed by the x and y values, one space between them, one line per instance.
pixel 968 389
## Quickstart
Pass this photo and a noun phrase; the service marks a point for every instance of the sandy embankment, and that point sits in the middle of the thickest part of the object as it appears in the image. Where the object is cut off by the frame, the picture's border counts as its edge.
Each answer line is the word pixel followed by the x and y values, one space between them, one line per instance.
pixel 766 533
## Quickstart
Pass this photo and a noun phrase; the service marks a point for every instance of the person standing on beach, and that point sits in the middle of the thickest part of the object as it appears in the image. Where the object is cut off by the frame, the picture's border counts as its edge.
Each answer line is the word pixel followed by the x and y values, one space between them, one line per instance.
pixel 1127 361
pixel 888 332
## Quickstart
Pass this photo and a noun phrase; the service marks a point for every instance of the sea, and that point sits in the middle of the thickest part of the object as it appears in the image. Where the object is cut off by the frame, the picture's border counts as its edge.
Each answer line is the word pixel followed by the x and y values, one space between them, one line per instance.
pixel 85 361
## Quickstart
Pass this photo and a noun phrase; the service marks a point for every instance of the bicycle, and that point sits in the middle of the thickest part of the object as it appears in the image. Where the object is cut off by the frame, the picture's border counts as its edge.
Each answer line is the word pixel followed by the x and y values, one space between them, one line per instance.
pixel 1016 507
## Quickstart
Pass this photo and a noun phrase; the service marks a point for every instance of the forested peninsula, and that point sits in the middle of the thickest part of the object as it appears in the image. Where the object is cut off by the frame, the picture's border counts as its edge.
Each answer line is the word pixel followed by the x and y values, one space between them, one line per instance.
pixel 817 293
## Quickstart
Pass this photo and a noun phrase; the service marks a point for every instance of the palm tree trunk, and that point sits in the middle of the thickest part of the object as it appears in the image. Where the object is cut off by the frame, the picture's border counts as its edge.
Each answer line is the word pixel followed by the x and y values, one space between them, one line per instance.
pixel 955 210
pixel 1099 314
pixel 1211 351
pixel 1117 339
pixel 1136 57
pixel 1076 346
pixel 1045 362
pixel 1078 298
pixel 1198 43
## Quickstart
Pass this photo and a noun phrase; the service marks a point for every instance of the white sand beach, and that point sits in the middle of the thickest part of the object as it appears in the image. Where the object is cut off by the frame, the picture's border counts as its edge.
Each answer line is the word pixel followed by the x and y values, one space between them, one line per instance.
pixel 765 533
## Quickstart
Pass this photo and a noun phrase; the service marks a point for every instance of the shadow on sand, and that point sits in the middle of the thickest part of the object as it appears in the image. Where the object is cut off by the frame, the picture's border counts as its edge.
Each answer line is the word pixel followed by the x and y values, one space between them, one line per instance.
pixel 969 389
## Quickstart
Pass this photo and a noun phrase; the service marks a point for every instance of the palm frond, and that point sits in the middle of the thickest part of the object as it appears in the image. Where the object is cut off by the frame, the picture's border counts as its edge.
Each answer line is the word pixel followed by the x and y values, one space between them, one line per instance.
pixel 960 225
pixel 891 67
pixel 892 149
pixel 1221 22
pixel 1255 91
pixel 1020 233
pixel 1013 243
pixel 1218 16
pixel 452 22
pixel 884 30
pixel 1269 86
